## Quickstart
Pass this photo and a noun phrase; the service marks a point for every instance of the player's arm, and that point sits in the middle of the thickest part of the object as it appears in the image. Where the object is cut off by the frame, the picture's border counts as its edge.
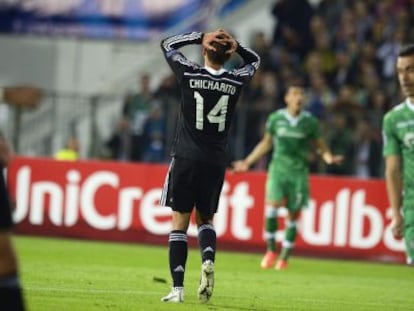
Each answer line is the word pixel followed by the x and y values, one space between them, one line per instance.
pixel 175 59
pixel 326 154
pixel 178 62
pixel 263 147
pixel 170 45
pixel 393 181
pixel 251 61
pixel 250 58
pixel 21 96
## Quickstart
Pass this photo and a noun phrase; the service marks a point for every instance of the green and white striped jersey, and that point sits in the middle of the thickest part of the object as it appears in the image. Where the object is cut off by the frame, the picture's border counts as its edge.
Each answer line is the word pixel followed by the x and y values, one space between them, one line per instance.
pixel 291 139
pixel 398 136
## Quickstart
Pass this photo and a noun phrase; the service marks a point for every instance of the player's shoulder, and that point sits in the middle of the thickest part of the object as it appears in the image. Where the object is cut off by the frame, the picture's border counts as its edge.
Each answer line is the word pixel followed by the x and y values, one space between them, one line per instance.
pixel 178 57
pixel 273 116
pixel 277 114
pixel 308 116
pixel 396 111
pixel 398 108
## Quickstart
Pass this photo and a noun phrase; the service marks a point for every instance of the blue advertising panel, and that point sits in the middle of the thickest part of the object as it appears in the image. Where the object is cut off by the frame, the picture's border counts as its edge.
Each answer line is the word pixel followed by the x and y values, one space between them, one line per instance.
pixel 123 19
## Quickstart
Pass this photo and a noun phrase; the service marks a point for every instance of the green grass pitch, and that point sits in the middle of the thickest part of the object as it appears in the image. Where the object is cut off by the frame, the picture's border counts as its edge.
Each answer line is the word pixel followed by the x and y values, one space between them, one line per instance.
pixel 74 275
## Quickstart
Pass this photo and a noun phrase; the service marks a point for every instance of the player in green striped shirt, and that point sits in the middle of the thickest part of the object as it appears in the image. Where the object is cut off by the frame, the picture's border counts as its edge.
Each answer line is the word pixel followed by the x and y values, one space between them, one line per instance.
pixel 398 133
pixel 293 132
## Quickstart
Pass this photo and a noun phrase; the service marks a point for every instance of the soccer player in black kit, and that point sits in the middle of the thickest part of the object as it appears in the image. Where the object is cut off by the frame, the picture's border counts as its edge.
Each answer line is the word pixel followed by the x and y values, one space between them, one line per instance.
pixel 209 95
pixel 11 297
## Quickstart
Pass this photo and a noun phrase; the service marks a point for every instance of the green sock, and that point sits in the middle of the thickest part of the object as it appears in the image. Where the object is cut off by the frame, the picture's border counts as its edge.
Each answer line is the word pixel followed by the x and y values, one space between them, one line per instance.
pixel 285 253
pixel 291 231
pixel 290 237
pixel 270 227
pixel 409 233
pixel 409 245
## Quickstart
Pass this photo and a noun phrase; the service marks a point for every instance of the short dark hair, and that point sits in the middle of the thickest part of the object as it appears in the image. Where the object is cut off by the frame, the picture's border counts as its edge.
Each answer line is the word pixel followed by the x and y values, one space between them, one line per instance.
pixel 406 50
pixel 220 55
pixel 295 82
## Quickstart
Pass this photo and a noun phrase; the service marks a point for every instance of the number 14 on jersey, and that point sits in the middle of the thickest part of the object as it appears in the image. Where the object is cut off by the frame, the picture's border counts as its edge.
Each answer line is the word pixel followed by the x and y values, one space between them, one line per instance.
pixel 216 115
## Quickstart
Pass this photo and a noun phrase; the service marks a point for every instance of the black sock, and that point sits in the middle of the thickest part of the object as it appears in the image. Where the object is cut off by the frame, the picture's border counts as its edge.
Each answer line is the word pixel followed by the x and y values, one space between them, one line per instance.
pixel 207 242
pixel 11 297
pixel 178 256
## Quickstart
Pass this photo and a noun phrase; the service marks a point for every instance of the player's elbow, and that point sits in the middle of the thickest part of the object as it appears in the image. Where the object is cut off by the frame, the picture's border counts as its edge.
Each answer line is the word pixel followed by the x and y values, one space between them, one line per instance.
pixel 257 63
pixel 162 44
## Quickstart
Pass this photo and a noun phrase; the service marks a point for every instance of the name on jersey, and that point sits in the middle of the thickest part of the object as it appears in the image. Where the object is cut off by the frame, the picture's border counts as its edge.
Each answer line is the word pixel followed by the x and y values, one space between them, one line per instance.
pixel 284 132
pixel 405 123
pixel 212 85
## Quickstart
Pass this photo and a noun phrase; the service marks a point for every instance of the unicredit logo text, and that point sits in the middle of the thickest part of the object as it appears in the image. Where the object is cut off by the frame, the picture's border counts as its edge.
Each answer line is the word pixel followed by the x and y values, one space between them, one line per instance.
pixel 110 200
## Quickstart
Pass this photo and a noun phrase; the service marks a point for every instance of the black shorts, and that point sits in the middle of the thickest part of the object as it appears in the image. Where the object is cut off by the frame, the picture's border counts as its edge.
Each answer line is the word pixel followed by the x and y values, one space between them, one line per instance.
pixel 6 221
pixel 190 184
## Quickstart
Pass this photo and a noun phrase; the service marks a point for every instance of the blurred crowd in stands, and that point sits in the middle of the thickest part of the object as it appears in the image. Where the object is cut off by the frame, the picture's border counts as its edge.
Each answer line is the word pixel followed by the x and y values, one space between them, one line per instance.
pixel 343 51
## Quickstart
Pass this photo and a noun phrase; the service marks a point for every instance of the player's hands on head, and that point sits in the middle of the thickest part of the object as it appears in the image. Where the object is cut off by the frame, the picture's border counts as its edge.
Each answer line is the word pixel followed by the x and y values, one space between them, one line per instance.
pixel 240 166
pixel 214 36
pixel 230 40
pixel 220 36
pixel 23 96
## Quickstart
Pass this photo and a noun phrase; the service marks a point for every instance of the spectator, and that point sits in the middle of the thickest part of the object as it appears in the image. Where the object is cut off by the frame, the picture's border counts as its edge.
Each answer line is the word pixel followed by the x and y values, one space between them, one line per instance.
pixel 319 96
pixel 367 148
pixel 292 26
pixel 378 105
pixel 70 152
pixel 340 141
pixel 326 54
pixel 347 105
pixel 331 11
pixel 363 20
pixel 155 136
pixel 344 72
pixel 263 48
pixel 137 108
pixel 168 94
pixel 387 53
pixel 118 146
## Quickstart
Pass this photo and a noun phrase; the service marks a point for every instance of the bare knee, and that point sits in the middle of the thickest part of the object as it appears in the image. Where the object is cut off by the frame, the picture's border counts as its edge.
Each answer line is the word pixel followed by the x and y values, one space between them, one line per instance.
pixel 293 216
pixel 8 259
pixel 180 221
pixel 203 219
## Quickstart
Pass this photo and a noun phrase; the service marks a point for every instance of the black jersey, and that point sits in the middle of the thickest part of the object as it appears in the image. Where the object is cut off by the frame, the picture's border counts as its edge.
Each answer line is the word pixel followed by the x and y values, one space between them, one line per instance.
pixel 208 100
